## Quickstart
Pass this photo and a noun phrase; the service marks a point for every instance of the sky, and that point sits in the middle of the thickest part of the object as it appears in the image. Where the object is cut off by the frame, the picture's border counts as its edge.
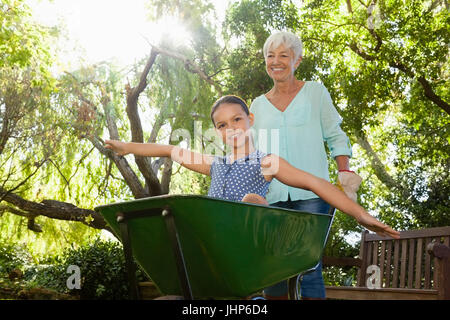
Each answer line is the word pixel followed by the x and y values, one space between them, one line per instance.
pixel 109 29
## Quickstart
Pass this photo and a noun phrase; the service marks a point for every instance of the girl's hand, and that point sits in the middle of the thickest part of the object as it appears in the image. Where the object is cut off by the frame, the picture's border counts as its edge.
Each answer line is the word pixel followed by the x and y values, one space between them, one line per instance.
pixel 376 226
pixel 118 147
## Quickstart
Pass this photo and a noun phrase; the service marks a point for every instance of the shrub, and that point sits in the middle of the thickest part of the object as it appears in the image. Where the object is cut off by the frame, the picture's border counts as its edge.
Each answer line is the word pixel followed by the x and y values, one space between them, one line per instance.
pixel 46 276
pixel 337 276
pixel 102 270
pixel 13 256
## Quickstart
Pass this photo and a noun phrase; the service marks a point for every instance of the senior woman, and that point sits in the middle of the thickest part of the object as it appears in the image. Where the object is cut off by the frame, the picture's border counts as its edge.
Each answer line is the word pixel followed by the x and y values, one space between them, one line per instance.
pixel 304 115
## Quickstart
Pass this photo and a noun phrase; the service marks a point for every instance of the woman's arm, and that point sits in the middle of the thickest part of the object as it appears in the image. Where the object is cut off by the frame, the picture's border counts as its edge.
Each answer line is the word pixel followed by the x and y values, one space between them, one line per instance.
pixel 342 162
pixel 191 160
pixel 330 123
pixel 294 177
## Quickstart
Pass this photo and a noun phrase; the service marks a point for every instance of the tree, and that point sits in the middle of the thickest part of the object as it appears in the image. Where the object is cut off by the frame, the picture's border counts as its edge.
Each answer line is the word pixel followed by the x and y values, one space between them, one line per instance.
pixel 29 156
pixel 388 80
pixel 82 108
pixel 387 58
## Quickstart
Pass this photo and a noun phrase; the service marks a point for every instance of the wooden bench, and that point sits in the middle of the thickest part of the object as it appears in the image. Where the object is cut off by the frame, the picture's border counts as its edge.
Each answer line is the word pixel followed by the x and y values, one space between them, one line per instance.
pixel 417 266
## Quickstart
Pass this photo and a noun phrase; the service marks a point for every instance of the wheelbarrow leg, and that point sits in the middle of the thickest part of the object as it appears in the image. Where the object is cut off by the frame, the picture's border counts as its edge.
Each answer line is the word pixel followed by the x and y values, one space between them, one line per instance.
pixel 294 287
pixel 295 281
pixel 129 262
pixel 179 259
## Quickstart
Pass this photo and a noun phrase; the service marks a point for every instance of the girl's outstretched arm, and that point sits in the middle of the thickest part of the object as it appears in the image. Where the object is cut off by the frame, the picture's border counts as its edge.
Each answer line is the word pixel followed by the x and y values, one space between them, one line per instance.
pixel 192 160
pixel 289 175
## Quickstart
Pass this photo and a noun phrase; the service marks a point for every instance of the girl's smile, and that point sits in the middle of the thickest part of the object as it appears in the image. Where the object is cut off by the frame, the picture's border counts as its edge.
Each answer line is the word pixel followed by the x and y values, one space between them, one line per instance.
pixel 233 125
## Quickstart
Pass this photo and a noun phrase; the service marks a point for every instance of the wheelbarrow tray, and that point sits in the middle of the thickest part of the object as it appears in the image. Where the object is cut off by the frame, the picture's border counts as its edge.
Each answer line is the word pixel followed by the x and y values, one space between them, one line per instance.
pixel 230 249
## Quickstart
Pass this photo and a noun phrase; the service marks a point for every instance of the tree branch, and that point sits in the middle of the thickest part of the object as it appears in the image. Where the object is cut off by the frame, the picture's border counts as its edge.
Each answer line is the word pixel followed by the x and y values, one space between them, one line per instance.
pixel 430 94
pixel 158 123
pixel 191 67
pixel 79 163
pixel 360 53
pixel 21 183
pixel 55 210
pixel 60 173
pixel 379 168
pixel 4 134
pixel 122 164
pixel 428 90
pixel 132 100
pixel 137 135
pixel 110 122
pixel 349 7
pixel 166 175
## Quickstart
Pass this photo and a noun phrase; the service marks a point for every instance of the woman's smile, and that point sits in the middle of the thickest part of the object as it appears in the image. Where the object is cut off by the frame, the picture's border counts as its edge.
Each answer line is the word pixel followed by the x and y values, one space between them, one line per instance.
pixel 280 63
pixel 277 69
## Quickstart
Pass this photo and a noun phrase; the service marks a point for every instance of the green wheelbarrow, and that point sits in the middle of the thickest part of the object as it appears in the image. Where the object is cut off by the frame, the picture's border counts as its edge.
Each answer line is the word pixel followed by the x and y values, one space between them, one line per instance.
pixel 206 248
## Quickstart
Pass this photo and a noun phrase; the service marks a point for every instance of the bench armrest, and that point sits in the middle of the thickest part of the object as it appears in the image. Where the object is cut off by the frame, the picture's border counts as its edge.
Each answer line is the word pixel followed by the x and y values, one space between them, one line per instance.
pixel 442 254
pixel 438 250
pixel 341 261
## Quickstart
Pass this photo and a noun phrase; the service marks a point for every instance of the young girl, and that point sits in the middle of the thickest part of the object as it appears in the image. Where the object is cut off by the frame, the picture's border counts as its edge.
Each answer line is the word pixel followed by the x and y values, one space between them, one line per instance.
pixel 245 174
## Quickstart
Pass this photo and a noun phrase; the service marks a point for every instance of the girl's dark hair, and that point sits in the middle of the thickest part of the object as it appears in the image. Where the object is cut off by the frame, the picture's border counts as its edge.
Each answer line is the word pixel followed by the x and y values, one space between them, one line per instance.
pixel 228 99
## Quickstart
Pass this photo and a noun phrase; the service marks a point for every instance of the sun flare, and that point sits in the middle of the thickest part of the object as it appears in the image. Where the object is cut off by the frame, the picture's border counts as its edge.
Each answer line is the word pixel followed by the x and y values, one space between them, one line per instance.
pixel 110 29
pixel 171 29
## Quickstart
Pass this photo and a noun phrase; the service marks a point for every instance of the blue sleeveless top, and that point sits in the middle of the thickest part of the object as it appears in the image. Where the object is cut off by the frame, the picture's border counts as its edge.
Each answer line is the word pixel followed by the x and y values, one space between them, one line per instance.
pixel 232 181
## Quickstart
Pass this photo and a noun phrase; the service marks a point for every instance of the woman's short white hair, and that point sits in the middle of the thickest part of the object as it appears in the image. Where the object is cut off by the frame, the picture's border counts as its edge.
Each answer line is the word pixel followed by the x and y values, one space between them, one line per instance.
pixel 288 39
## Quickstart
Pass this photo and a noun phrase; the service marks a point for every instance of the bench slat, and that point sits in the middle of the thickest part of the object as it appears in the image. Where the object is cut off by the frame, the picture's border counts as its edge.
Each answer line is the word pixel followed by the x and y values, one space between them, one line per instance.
pixel 419 258
pixel 435 262
pixel 427 284
pixel 382 262
pixel 388 264
pixel 396 262
pixel 403 263
pixel 369 249
pixel 341 261
pixel 411 262
pixel 374 252
pixel 363 255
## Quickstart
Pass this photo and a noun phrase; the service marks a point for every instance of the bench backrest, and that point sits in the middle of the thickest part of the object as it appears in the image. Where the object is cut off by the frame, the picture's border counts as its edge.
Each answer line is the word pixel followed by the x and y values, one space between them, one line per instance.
pixel 403 263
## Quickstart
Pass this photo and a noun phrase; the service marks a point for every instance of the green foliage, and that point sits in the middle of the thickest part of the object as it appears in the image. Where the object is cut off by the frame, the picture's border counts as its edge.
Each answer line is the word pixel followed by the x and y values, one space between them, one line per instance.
pixel 56 236
pixel 198 183
pixel 20 39
pixel 181 95
pixel 50 276
pixel 13 256
pixel 335 276
pixel 102 269
pixel 376 61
